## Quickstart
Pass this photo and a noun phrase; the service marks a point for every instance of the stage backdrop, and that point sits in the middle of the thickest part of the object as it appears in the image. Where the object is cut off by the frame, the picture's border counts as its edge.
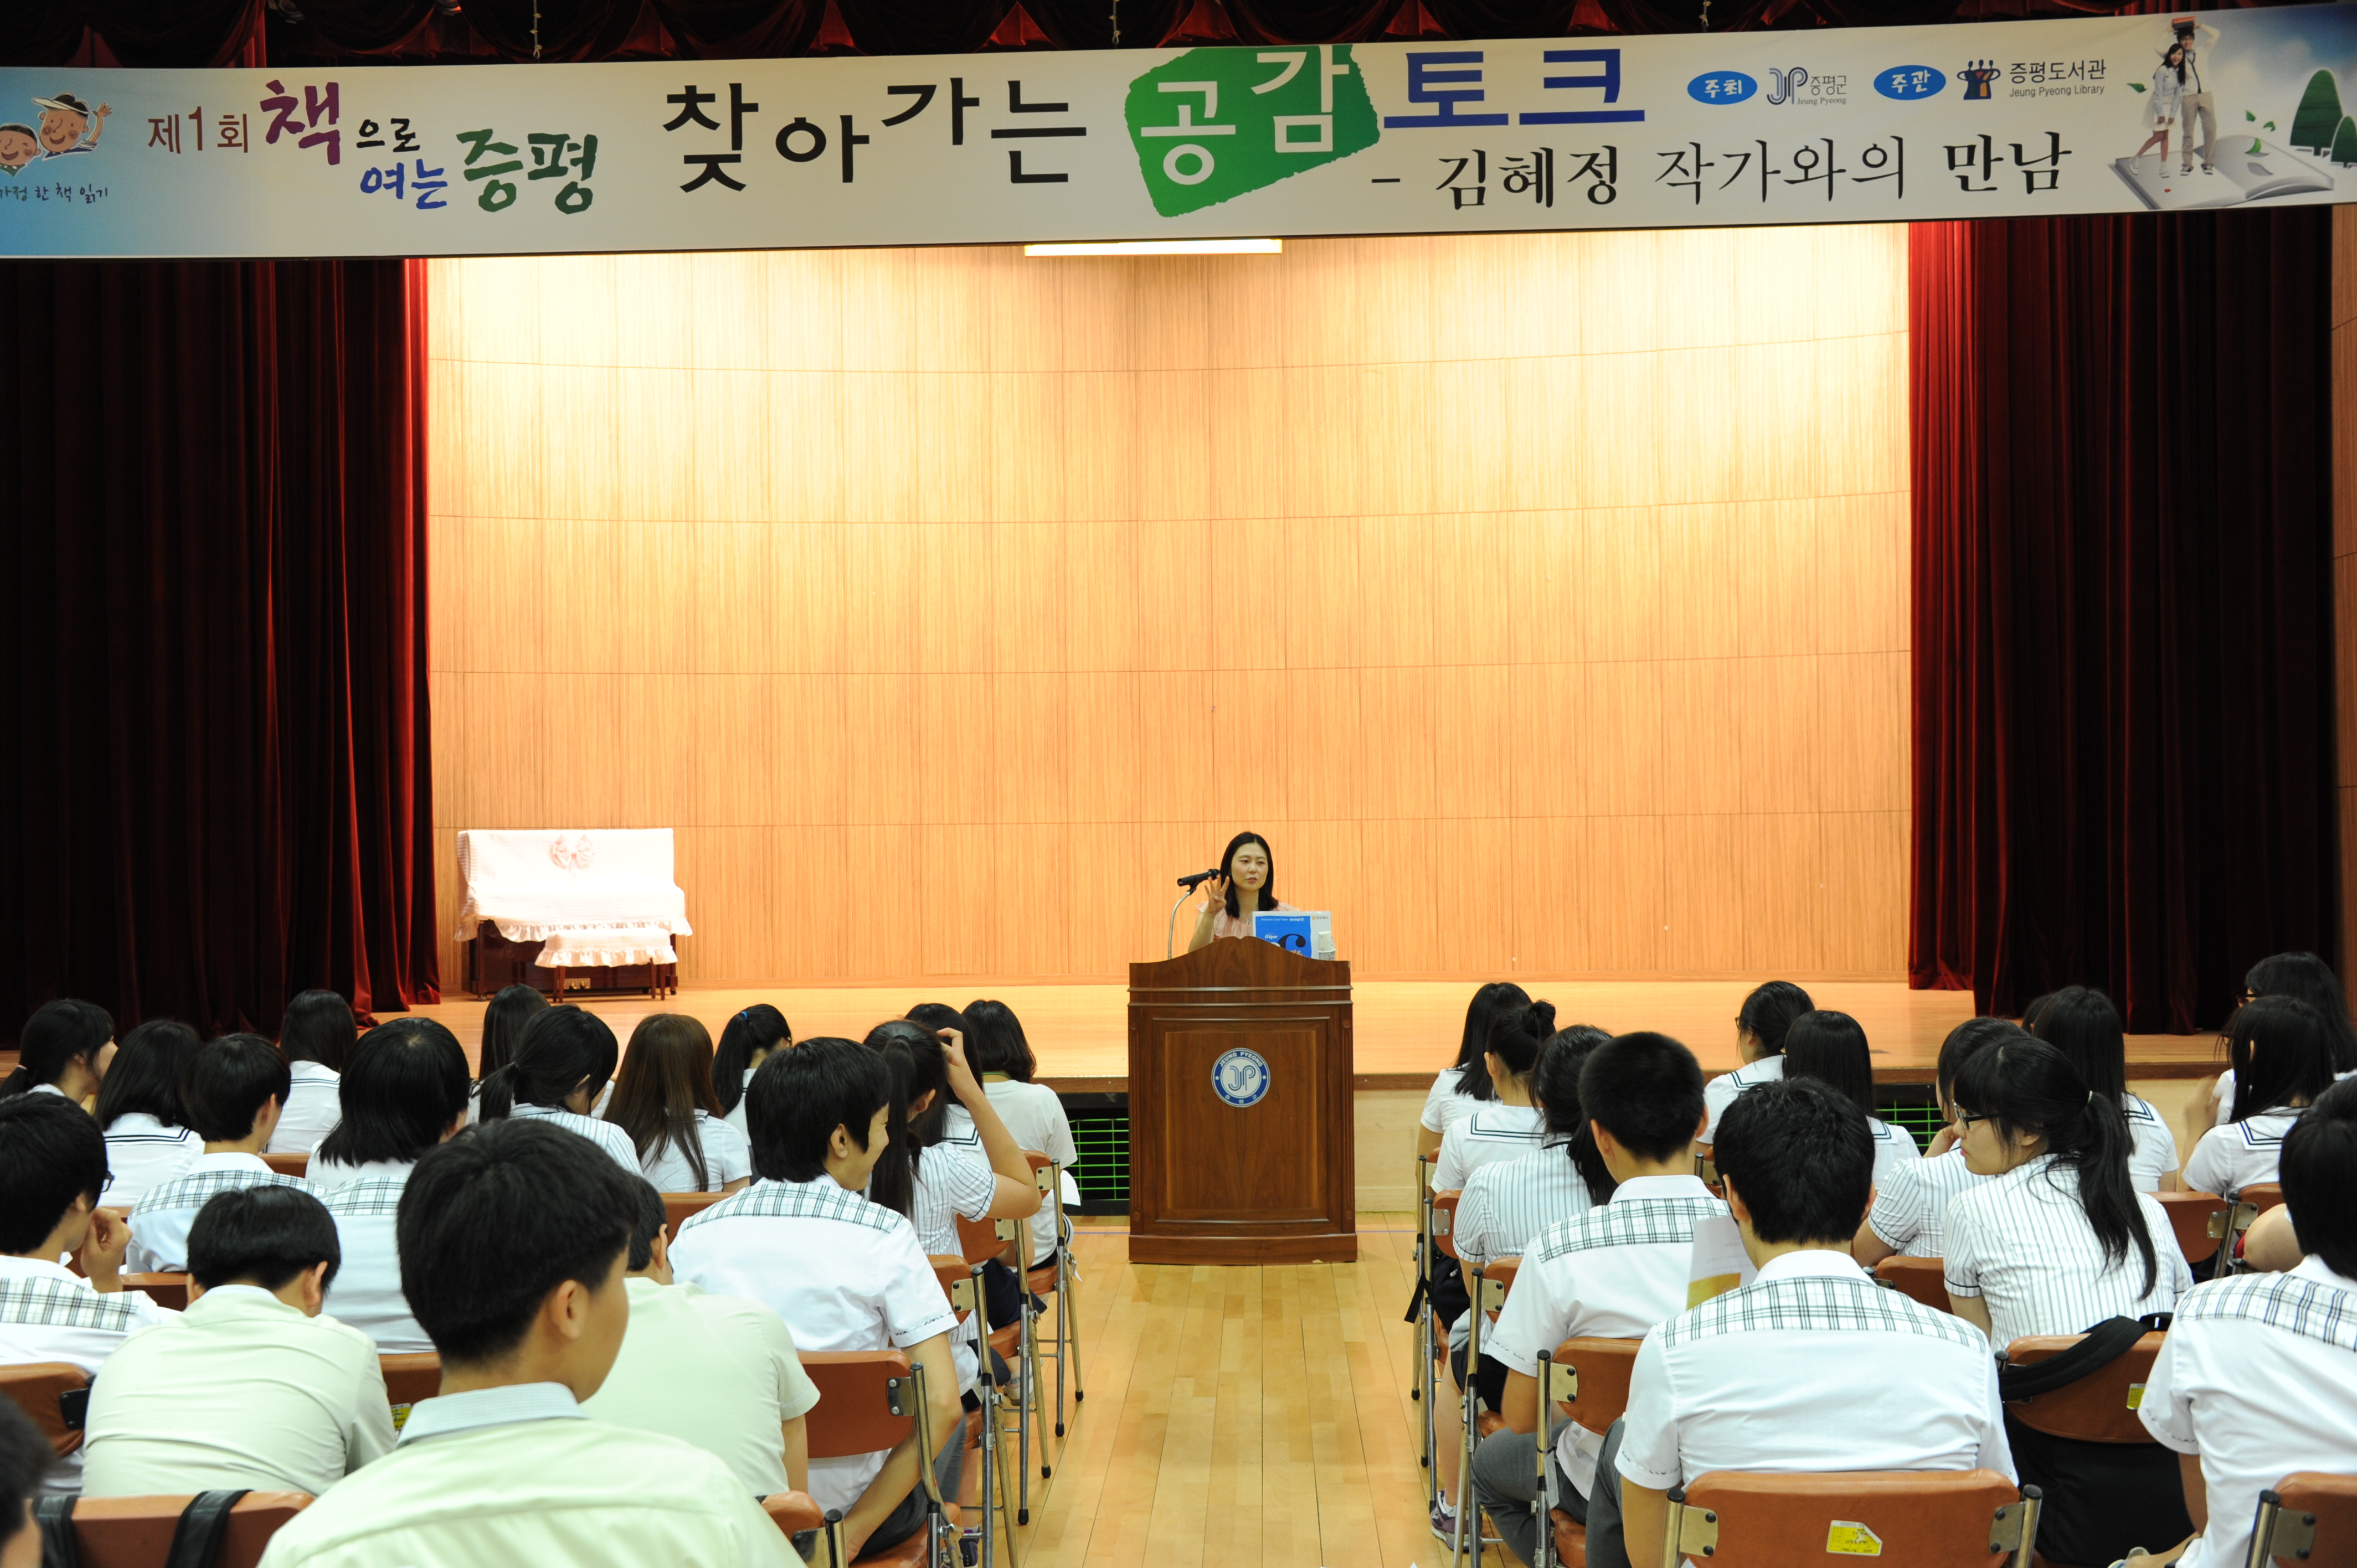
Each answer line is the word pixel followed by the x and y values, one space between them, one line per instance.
pixel 1543 598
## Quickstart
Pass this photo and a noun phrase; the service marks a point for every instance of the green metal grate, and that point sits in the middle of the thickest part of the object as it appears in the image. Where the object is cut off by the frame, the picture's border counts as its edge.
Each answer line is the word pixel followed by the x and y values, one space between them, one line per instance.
pixel 1913 1106
pixel 1101 1137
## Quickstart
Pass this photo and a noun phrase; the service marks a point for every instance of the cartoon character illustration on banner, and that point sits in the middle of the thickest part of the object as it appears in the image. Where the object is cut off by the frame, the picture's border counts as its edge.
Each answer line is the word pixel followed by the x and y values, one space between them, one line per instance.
pixel 68 125
pixel 2197 43
pixel 2167 95
pixel 19 145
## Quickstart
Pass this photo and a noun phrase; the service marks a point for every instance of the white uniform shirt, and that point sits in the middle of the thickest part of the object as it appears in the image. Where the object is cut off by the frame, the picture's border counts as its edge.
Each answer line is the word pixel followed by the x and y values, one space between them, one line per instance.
pixel 1509 1202
pixel 604 1135
pixel 48 1313
pixel 727 1157
pixel 142 1152
pixel 313 1110
pixel 1035 1114
pixel 2258 1376
pixel 711 1370
pixel 2152 1147
pixel 1910 1205
pixel 737 1116
pixel 367 1289
pixel 1811 1366
pixel 2021 1242
pixel 1445 1104
pixel 2223 1112
pixel 953 1181
pixel 1495 1131
pixel 1613 1272
pixel 1894 1148
pixel 160 1221
pixel 241 1390
pixel 507 1476
pixel 845 1273
pixel 1721 1091
pixel 2232 1157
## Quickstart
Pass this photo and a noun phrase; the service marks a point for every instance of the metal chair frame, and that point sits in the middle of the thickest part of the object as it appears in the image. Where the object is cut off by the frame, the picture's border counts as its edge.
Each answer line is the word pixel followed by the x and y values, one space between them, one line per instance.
pixel 1488 1294
pixel 1067 1338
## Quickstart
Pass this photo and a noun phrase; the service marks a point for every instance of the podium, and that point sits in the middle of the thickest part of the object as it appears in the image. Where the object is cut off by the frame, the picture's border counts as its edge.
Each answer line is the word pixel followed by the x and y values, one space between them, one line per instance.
pixel 1241 1121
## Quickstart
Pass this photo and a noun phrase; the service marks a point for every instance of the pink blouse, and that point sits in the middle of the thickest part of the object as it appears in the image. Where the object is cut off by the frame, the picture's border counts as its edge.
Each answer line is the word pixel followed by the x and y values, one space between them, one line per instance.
pixel 1223 926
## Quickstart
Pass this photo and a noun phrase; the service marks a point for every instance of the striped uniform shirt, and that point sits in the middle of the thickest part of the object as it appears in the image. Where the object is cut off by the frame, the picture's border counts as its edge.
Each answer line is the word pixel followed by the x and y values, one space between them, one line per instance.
pixel 2232 1157
pixel 2022 1243
pixel 1498 1132
pixel 2152 1147
pixel 1895 1148
pixel 367 1290
pixel 1507 1202
pixel 160 1221
pixel 50 1313
pixel 1911 1204
pixel 1721 1091
pixel 604 1135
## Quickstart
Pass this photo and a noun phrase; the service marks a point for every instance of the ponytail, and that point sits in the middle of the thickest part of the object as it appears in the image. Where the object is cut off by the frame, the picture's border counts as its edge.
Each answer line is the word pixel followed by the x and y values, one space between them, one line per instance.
pixel 1554 1084
pixel 18 1081
pixel 760 1027
pixel 1515 1037
pixel 498 1096
pixel 562 1049
pixel 1768 1014
pixel 1491 1003
pixel 914 1061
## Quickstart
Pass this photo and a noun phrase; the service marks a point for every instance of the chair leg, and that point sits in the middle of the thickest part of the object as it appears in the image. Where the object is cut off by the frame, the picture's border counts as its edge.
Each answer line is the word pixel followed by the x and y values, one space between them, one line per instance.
pixel 1072 1294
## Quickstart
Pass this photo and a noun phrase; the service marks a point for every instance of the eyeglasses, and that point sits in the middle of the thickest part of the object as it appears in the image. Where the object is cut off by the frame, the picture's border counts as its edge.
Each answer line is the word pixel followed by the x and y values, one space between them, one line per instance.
pixel 1964 1120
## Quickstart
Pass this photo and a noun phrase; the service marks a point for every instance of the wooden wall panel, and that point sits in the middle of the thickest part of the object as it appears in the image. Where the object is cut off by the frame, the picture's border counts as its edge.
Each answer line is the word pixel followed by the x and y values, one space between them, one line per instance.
pixel 1543 597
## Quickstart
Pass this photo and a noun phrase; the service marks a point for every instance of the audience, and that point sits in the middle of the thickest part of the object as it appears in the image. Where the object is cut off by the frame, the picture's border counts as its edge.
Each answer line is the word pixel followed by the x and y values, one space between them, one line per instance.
pixel 1831 1049
pixel 64 1048
pixel 26 1459
pixel 315 1037
pixel 707 1370
pixel 664 1104
pixel 751 1035
pixel 1465 1087
pixel 1911 1202
pixel 1761 1025
pixel 505 1017
pixel 2304 977
pixel 148 1141
pixel 250 1388
pixel 844 1272
pixel 1510 1126
pixel 1507 1202
pixel 2282 1051
pixel 404 1092
pixel 1034 1114
pixel 2085 1027
pixel 566 1057
pixel 234 1090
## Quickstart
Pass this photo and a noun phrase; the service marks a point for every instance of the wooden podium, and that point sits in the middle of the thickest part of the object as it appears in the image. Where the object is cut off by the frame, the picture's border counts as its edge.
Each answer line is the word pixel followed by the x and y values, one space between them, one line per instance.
pixel 1228 1165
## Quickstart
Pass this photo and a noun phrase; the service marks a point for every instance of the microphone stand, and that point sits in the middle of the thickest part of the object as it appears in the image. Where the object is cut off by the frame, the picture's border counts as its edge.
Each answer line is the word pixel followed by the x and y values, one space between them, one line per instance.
pixel 1170 927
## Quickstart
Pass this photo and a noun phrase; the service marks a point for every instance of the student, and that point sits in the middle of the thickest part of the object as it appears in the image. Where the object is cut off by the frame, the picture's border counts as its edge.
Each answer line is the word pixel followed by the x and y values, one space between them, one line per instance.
pixel 233 1091
pixel 2256 1375
pixel 64 1048
pixel 2306 978
pixel 845 1273
pixel 664 1104
pixel 1760 1027
pixel 25 1460
pixel 707 1370
pixel 2059 1241
pixel 505 1017
pixel 2085 1027
pixel 52 1168
pixel 503 1467
pixel 1612 1273
pixel 1740 1383
pixel 745 1045
pixel 1033 1112
pixel 1464 1087
pixel 1831 1047
pixel 405 1092
pixel 2282 1051
pixel 1911 1204
pixel 1507 1202
pixel 315 1036
pixel 1513 1126
pixel 566 1056
pixel 250 1388
pixel 147 1138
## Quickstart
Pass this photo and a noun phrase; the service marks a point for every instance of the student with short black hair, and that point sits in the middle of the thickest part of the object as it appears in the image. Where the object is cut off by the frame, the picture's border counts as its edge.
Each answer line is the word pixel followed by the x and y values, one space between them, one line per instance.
pixel 1910 1203
pixel 250 1388
pixel 315 1037
pixel 148 1141
pixel 505 1017
pixel 235 1087
pixel 666 1103
pixel 844 1272
pixel 2080 1022
pixel 1760 1025
pixel 751 1034
pixel 2282 1052
pixel 566 1059
pixel 1741 1381
pixel 1033 1112
pixel 26 1459
pixel 64 1048
pixel 513 1244
pixel 1831 1047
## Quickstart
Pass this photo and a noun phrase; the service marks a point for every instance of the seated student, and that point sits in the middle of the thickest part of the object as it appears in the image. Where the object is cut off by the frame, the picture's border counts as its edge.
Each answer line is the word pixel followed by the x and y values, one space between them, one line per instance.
pixel 1033 1112
pixel 503 1467
pixel 232 1093
pixel 2256 1375
pixel 147 1137
pixel 52 1168
pixel 64 1049
pixel 1760 1028
pixel 1741 1382
pixel 2059 1241
pixel 566 1057
pixel 745 1045
pixel 404 1092
pixel 707 1370
pixel 250 1388
pixel 2306 978
pixel 665 1103
pixel 1464 1087
pixel 1910 1203
pixel 315 1036
pixel 26 1459
pixel 1831 1047
pixel 2283 1061
pixel 2082 1024
pixel 1512 1126
pixel 844 1272
pixel 505 1017
pixel 1612 1272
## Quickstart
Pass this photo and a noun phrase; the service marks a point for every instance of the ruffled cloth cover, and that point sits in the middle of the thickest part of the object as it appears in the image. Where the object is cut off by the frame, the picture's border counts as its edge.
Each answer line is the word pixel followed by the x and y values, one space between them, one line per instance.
pixel 590 895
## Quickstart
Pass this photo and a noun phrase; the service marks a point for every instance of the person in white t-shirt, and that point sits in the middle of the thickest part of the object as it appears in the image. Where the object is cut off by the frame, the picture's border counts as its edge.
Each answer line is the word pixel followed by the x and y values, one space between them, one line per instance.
pixel 1464 1086
pixel 2283 1063
pixel 664 1102
pixel 746 1042
pixel 1513 1126
pixel 64 1048
pixel 1911 1201
pixel 1831 1047
pixel 1032 1112
pixel 232 1094
pixel 314 1038
pixel 148 1141
pixel 26 1459
pixel 1759 1026
pixel 844 1272
pixel 561 1065
pixel 2080 1022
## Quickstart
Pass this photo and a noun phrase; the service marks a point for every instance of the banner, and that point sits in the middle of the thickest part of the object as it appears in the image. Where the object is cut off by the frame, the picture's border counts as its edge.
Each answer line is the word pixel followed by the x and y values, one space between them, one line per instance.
pixel 1990 119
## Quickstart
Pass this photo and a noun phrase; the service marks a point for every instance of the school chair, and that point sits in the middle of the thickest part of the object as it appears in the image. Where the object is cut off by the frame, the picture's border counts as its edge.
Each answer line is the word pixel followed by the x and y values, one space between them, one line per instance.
pixel 983 1243
pixel 961 1277
pixel 793 1512
pixel 1061 1280
pixel 1925 1519
pixel 1436 1241
pixel 409 1379
pixel 679 1208
pixel 1488 1286
pixel 1917 1279
pixel 867 1402
pixel 140 1533
pixel 1585 1378
pixel 2305 1518
pixel 288 1164
pixel 164 1290
pixel 2199 1220
pixel 55 1395
pixel 2098 1407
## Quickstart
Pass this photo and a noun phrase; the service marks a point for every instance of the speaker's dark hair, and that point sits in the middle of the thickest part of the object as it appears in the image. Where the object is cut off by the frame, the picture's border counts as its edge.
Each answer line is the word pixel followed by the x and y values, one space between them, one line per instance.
pixel 1267 890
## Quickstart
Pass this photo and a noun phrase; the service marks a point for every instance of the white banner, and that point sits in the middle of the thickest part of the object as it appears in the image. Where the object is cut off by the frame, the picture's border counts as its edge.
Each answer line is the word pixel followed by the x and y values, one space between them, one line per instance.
pixel 2016 119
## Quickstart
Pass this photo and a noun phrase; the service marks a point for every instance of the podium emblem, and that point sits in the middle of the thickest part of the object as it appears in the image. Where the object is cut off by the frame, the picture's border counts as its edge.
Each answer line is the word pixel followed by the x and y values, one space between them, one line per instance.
pixel 1241 1077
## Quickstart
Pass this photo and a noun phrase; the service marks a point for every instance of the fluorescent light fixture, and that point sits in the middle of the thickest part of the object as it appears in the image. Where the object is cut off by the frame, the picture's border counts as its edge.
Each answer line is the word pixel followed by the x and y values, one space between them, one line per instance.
pixel 1163 248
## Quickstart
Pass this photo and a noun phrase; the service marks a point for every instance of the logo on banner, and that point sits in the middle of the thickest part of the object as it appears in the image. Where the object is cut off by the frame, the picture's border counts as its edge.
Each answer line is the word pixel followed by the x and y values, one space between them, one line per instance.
pixel 1907 82
pixel 1977 75
pixel 1214 124
pixel 1721 87
pixel 1241 1077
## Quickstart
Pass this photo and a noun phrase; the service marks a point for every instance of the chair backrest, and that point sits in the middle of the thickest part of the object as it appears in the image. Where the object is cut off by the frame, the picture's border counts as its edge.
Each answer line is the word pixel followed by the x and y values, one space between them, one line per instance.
pixel 2191 1215
pixel 1917 1279
pixel 1602 1367
pixel 1443 1221
pixel 859 1409
pixel 164 1290
pixel 2306 1517
pixel 38 1387
pixel 978 1239
pixel 137 1532
pixel 679 1208
pixel 288 1164
pixel 411 1377
pixel 793 1511
pixel 1925 1519
pixel 1502 1272
pixel 2262 1195
pixel 2099 1407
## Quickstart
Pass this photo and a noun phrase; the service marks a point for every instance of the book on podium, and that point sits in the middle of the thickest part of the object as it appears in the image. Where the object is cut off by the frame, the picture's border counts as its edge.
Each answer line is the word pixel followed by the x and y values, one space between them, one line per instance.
pixel 1241 1121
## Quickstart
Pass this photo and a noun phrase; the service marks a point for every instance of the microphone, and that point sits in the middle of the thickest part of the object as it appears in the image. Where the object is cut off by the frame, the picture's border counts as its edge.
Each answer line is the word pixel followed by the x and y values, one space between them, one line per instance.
pixel 1191 883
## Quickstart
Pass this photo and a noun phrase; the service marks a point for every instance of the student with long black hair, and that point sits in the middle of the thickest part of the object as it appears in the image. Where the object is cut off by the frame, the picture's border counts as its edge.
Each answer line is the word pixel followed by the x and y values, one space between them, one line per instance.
pixel 2059 1241
pixel 1512 1126
pixel 64 1048
pixel 505 1017
pixel 935 1183
pixel 2081 1023
pixel 314 1038
pixel 1464 1086
pixel 746 1042
pixel 2306 977
pixel 2283 1061
pixel 1034 1114
pixel 566 1057
pixel 665 1102
pixel 1761 1025
pixel 1911 1204
pixel 148 1140
pixel 1831 1047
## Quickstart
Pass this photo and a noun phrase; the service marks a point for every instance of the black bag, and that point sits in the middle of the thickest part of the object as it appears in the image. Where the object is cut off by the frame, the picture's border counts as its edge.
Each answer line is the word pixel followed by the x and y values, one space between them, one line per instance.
pixel 196 1540
pixel 2102 1498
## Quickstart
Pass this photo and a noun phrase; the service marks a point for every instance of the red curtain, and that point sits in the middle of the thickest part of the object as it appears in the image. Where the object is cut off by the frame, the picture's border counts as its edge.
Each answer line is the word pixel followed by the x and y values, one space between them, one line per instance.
pixel 214 599
pixel 2123 752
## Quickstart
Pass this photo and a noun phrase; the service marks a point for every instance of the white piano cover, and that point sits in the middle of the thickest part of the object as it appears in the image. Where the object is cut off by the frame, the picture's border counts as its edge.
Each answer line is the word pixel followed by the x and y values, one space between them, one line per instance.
pixel 590 895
